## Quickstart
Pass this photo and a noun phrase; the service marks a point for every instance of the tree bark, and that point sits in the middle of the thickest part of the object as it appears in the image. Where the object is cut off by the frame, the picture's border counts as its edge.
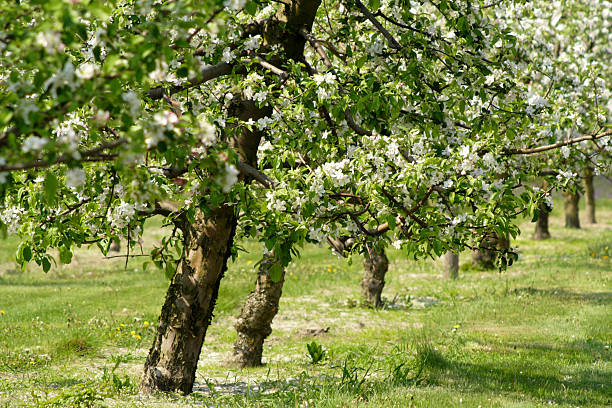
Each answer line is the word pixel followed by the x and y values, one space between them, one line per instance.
pixel 191 297
pixel 572 220
pixel 451 264
pixel 190 300
pixel 485 256
pixel 375 265
pixel 541 229
pixel 589 195
pixel 254 324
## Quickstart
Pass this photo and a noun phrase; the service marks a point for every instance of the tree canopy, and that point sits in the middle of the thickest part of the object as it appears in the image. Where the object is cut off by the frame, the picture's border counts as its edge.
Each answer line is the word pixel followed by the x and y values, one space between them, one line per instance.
pixel 419 123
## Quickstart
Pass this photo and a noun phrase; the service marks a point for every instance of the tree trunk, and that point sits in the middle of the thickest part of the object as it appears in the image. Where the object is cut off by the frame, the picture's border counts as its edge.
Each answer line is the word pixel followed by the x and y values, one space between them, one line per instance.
pixel 571 210
pixel 589 196
pixel 190 300
pixel 191 297
pixel 451 264
pixel 541 229
pixel 255 320
pixel 485 256
pixel 375 264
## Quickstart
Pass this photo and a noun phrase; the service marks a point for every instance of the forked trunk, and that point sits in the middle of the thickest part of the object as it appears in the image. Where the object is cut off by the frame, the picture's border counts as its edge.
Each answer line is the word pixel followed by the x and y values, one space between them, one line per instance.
pixel 589 196
pixel 190 300
pixel 485 256
pixel 571 210
pixel 451 264
pixel 541 229
pixel 254 324
pixel 375 265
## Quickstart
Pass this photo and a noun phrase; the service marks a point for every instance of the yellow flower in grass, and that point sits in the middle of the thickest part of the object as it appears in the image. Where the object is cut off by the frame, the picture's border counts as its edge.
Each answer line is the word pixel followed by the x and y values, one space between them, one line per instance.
pixel 146 324
pixel 2 312
pixel 133 333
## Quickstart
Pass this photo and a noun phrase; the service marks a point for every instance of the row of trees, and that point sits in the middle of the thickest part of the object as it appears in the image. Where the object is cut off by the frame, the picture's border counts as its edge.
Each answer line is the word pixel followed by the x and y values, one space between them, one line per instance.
pixel 422 124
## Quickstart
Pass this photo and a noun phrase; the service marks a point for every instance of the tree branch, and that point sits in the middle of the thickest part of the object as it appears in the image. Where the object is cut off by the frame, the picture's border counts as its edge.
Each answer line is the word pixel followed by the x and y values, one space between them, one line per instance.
pixel 209 72
pixel 392 41
pixel 540 149
pixel 87 155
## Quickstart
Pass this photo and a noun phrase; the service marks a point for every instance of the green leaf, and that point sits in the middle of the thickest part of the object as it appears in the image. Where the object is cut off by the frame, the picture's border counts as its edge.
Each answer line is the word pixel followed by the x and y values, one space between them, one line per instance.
pixel 50 188
pixel 65 255
pixel 26 253
pixel 276 272
pixel 170 269
pixel 46 264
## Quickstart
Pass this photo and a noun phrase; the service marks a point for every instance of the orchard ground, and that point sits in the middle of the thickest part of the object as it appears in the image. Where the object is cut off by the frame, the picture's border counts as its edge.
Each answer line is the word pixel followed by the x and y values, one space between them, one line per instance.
pixel 538 334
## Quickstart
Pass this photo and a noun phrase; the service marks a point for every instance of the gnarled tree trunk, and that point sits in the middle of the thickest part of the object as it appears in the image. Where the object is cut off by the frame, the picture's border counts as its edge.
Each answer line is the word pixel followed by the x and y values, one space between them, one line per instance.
pixel 572 220
pixel 451 264
pixel 190 300
pixel 589 195
pixel 485 256
pixel 375 265
pixel 191 297
pixel 541 229
pixel 254 324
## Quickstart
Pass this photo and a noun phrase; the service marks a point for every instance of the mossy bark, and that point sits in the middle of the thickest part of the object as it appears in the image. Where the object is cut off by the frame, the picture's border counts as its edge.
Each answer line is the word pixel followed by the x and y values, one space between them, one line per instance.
pixel 572 219
pixel 589 196
pixel 375 265
pixel 451 264
pixel 190 301
pixel 541 229
pixel 254 324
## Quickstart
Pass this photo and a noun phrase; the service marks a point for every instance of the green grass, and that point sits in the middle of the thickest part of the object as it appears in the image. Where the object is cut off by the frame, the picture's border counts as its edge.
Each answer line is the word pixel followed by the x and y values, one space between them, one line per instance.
pixel 538 334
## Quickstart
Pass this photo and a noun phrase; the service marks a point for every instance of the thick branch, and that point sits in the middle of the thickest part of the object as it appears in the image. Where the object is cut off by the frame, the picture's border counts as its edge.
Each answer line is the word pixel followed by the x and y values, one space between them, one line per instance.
pixel 392 41
pixel 87 155
pixel 540 149
pixel 209 72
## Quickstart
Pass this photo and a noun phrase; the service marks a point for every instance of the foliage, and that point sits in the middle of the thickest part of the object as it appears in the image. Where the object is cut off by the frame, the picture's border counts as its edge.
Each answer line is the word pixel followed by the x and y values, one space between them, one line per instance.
pixel 415 123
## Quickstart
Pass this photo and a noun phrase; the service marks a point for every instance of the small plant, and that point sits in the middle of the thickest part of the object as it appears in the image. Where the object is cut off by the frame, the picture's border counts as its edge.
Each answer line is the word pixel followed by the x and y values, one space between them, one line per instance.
pixel 316 352
pixel 352 380
pixel 114 382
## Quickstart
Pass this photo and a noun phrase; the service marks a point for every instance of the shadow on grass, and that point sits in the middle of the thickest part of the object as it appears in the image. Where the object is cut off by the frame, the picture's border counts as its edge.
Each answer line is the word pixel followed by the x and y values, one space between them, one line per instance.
pixel 529 377
pixel 598 298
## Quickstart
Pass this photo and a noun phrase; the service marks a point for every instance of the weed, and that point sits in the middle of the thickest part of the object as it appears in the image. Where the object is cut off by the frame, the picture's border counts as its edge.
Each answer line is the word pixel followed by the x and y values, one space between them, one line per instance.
pixel 316 352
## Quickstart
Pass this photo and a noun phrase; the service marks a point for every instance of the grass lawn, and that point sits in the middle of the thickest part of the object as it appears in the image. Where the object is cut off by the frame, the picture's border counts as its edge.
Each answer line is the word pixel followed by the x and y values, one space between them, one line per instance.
pixel 538 334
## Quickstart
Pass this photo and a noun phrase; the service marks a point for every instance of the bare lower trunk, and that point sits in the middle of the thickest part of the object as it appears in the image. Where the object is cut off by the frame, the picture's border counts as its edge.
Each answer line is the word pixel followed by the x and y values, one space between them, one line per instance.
pixel 451 264
pixel 254 324
pixel 571 210
pixel 485 256
pixel 375 265
pixel 589 196
pixel 190 300
pixel 541 229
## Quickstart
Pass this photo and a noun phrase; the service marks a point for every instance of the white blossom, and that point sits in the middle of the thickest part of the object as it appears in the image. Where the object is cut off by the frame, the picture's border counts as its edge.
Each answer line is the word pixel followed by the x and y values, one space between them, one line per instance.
pixel 33 144
pixel 75 178
pixel 86 70
pixel 50 41
pixel 11 217
pixel 133 101
pixel 122 215
pixel 565 151
pixel 228 178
